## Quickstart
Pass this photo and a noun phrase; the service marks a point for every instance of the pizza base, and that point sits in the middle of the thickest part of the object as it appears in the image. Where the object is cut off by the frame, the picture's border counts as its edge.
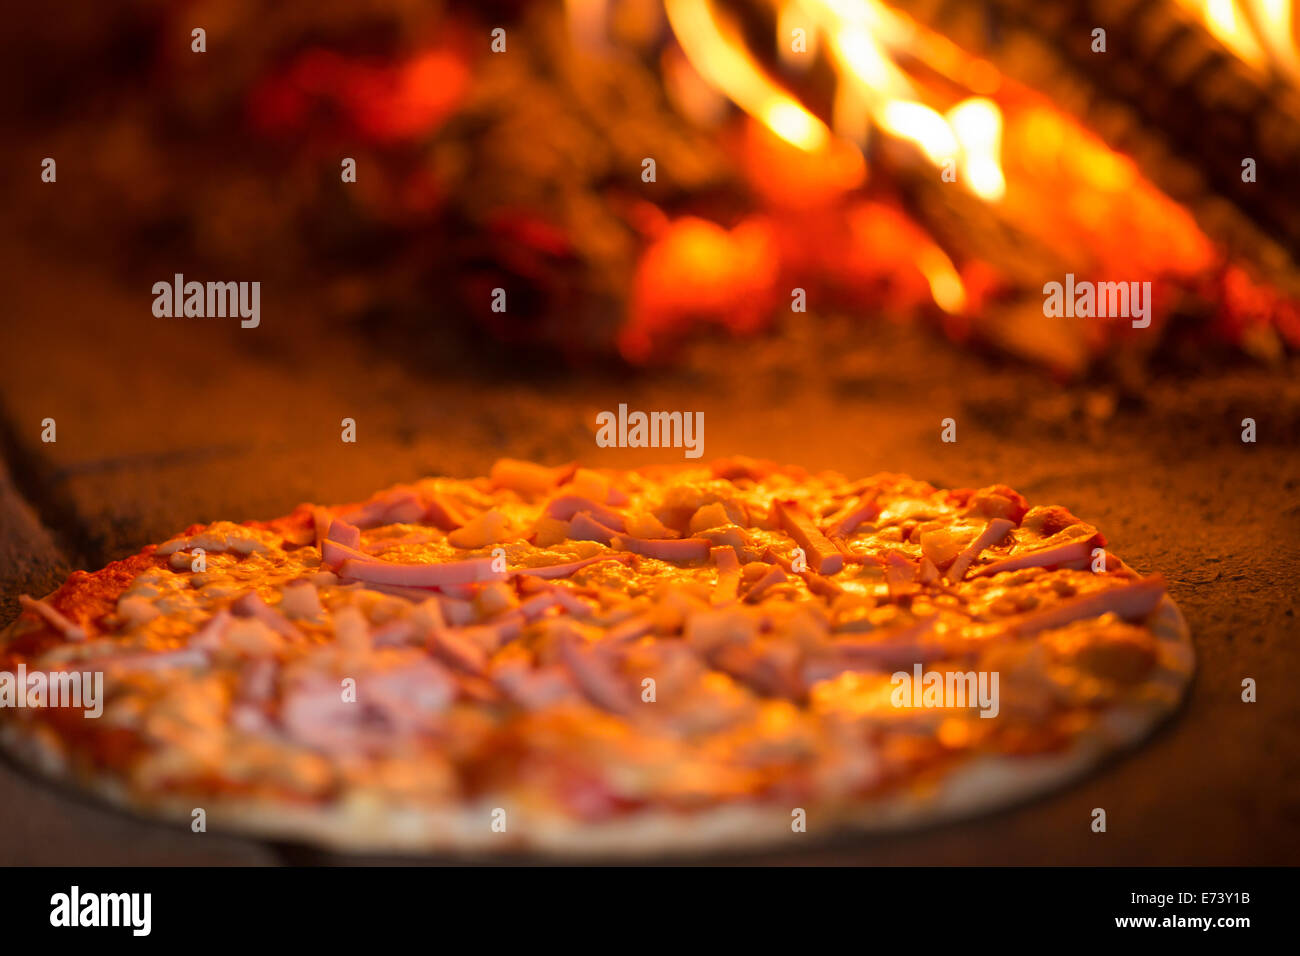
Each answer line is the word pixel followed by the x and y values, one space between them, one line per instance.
pixel 979 786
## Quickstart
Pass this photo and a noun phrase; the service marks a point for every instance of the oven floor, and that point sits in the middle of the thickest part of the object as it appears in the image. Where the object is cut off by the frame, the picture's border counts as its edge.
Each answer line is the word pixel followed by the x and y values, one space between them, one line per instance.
pixel 166 422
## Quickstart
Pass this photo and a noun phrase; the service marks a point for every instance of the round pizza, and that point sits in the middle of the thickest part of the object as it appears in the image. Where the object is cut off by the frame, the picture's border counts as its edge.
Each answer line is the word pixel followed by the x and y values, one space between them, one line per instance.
pixel 596 662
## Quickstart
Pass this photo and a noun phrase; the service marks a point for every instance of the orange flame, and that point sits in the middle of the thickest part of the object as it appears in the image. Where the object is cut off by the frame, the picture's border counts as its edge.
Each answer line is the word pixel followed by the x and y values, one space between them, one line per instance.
pixel 861 37
pixel 719 56
pixel 1260 33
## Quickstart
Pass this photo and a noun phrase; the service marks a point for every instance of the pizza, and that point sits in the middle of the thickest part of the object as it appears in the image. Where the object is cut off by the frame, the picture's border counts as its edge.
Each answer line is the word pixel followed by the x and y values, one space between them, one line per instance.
pixel 569 660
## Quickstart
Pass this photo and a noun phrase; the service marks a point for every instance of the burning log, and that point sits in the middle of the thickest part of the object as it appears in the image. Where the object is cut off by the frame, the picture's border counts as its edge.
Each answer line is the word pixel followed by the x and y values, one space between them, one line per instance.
pixel 1167 93
pixel 885 170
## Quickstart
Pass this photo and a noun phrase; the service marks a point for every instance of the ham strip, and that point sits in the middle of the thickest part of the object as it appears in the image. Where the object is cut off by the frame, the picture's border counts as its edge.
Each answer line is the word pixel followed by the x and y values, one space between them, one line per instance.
pixel 443 513
pixel 773 577
pixel 864 509
pixel 631 629
pixel 393 634
pixel 420 575
pixel 768 673
pixel 821 585
pixel 536 689
pixel 250 605
pixel 457 611
pixel 817 584
pixel 492 636
pixel 451 646
pixel 583 527
pixel 728 575
pixel 333 554
pixel 1132 602
pixel 158 660
pixel 348 535
pixel 566 506
pixel 1043 558
pixel 548 571
pixel 321 521
pixel 411 594
pixel 459 652
pixel 405 507
pixel 575 605
pixel 597 680
pixel 209 636
pixel 902 647
pixel 823 556
pixel 679 551
pixel 993 532
pixel 927 573
pixel 900 576
pixel 537 605
pixel 52 617
pixel 367 515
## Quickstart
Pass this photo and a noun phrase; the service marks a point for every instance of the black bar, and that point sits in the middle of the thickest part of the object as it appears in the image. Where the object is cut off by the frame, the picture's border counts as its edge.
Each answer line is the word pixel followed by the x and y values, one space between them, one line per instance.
pixel 575 904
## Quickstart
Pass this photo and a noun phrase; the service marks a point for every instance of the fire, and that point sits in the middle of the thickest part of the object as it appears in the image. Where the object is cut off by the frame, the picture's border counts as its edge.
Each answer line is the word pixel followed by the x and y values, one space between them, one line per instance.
pixel 1260 33
pixel 718 55
pixel 865 37
pixel 861 37
pixel 977 124
pixel 902 83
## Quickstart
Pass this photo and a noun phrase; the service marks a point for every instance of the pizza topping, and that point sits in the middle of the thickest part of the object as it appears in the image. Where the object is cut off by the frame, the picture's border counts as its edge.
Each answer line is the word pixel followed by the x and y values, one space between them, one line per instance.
pixel 419 575
pixel 525 477
pixel 997 501
pixel 993 532
pixel 1043 557
pixel 775 575
pixel 488 527
pixel 568 568
pixel 500 633
pixel 135 610
pixel 300 600
pixel 900 576
pixel 821 555
pixel 1131 601
pixel 565 507
pixel 863 509
pixel 596 677
pixel 223 536
pixel 683 550
pixel 584 527
pixel 52 617
pixel 728 574
pixel 183 657
pixel 348 535
pixel 250 605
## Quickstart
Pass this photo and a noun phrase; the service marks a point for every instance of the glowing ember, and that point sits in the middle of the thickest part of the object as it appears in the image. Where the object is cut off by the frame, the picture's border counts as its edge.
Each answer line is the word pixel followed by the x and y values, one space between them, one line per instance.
pixel 1047 183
